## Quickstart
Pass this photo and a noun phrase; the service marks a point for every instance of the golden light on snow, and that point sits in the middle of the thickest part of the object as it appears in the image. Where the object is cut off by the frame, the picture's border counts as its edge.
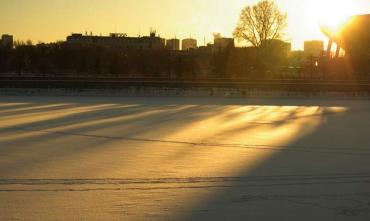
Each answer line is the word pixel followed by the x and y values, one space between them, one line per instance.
pixel 148 147
pixel 211 138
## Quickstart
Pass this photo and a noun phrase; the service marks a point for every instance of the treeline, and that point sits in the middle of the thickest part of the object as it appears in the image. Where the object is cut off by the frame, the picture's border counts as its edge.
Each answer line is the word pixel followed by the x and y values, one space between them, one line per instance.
pixel 92 60
pixel 63 59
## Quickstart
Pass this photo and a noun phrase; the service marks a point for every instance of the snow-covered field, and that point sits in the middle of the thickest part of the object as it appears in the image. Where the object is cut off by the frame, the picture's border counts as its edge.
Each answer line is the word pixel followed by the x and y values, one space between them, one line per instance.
pixel 116 158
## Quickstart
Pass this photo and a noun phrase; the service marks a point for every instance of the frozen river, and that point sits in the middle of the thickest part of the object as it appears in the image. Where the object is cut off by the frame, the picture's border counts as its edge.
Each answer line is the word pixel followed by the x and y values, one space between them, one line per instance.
pixel 102 158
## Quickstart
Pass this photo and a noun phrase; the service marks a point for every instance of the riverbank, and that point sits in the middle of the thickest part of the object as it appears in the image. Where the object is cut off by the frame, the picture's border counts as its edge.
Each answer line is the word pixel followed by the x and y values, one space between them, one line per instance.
pixel 183 92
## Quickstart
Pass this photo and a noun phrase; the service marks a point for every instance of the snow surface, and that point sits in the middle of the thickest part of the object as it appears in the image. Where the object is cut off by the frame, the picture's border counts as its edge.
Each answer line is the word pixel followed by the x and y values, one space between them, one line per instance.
pixel 137 158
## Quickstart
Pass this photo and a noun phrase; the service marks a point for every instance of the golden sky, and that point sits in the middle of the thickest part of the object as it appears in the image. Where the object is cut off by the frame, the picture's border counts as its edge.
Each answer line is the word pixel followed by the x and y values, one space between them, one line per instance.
pixel 51 20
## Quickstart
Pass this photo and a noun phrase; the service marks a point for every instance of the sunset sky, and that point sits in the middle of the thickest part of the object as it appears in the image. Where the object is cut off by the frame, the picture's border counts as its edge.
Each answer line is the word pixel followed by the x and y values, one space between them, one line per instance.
pixel 52 20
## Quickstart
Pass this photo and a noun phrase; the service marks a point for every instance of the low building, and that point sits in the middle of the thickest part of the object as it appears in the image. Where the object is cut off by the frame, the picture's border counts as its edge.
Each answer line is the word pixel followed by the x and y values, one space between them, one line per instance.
pixel 188 44
pixel 278 46
pixel 221 44
pixel 173 44
pixel 6 41
pixel 119 40
pixel 313 48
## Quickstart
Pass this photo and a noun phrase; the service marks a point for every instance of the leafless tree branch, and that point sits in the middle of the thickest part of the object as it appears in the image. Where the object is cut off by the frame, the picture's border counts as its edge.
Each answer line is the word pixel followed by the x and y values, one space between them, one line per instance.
pixel 261 22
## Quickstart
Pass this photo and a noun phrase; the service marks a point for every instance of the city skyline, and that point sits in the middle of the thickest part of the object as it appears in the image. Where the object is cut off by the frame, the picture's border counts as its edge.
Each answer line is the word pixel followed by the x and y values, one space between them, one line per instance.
pixel 52 21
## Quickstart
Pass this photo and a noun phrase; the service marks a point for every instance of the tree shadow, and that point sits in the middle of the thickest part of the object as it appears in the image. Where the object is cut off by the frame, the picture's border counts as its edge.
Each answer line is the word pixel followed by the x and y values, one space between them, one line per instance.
pixel 322 174
pixel 322 170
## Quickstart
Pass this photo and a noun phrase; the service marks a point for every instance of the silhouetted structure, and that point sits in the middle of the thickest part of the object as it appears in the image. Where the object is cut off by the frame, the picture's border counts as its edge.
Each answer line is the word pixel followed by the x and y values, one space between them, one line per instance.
pixel 189 43
pixel 6 41
pixel 173 44
pixel 118 55
pixel 119 40
pixel 221 44
pixel 354 37
pixel 313 48
pixel 279 46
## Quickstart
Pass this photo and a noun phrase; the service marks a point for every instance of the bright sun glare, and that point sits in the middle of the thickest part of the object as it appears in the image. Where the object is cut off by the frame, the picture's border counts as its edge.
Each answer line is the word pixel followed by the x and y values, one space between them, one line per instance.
pixel 331 12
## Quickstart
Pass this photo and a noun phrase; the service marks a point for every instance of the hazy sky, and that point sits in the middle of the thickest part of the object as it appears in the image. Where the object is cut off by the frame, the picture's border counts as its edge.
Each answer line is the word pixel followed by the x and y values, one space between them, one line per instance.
pixel 50 20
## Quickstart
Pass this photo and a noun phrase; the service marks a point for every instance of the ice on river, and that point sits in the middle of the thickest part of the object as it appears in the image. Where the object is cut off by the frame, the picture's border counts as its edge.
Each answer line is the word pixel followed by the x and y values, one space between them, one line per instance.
pixel 103 158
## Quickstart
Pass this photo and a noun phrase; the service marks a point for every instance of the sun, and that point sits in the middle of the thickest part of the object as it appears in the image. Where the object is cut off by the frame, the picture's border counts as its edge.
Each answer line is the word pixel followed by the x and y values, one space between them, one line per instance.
pixel 331 13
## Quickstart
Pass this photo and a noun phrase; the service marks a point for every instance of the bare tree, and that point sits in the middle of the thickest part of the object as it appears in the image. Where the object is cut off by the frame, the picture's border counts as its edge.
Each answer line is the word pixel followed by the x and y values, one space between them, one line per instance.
pixel 217 35
pixel 261 22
